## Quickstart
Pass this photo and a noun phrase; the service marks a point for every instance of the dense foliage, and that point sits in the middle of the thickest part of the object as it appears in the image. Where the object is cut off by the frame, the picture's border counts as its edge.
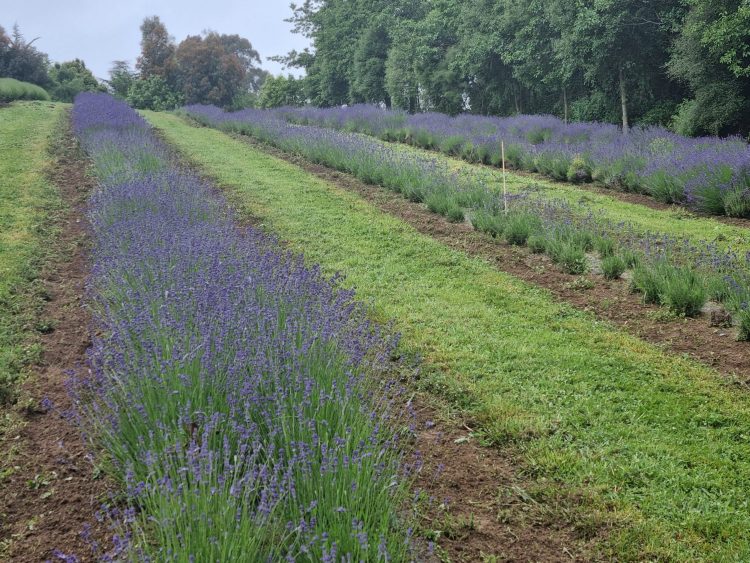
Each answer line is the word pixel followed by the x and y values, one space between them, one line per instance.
pixel 231 384
pixel 210 68
pixel 679 62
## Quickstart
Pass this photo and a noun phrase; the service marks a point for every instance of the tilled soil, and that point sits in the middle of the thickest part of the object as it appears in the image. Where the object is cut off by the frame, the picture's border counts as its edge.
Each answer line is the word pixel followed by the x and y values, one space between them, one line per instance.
pixel 50 498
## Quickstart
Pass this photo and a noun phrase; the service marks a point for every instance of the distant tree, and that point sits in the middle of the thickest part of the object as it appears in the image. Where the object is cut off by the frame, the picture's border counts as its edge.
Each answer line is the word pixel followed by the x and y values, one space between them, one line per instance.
pixel 157 50
pixel 280 91
pixel 215 69
pixel 120 79
pixel 19 59
pixel 70 78
pixel 153 93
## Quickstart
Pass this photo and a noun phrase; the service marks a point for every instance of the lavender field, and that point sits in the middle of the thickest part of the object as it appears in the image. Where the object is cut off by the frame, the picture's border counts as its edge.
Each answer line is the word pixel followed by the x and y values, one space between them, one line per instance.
pixel 343 281
pixel 707 173
pixel 679 273
pixel 232 385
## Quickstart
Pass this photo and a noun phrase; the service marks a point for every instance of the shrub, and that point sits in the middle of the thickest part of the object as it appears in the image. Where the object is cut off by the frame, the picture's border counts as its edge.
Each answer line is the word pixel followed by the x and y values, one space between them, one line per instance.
pixel 452 145
pixel 569 255
pixel 491 223
pixel 12 89
pixel 737 202
pixel 153 93
pixel 579 171
pixel 605 246
pixel 537 244
pixel 413 193
pixel 647 282
pixel 678 288
pixel 631 257
pixel 683 291
pixel 664 186
pixel 520 226
pixel 613 267
pixel 442 203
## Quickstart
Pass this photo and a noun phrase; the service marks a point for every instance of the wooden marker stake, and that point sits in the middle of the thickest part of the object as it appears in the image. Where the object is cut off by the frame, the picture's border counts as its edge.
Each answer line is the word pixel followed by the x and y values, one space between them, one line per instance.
pixel 505 185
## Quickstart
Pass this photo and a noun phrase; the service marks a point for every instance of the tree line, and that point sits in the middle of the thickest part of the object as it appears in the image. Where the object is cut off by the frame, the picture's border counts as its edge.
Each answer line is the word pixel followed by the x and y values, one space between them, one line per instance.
pixel 681 63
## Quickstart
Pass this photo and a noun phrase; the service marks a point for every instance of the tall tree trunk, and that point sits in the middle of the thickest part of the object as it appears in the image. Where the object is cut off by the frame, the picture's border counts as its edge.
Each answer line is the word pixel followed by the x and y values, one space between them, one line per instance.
pixel 624 103
pixel 565 104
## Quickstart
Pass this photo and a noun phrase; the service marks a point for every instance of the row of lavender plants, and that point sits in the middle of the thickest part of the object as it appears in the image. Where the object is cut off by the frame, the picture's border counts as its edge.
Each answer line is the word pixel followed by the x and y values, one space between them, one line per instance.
pixel 680 274
pixel 709 174
pixel 240 396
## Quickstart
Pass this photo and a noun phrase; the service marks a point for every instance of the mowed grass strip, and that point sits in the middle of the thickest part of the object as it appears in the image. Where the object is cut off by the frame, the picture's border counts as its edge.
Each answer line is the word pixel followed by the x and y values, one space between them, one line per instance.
pixel 664 442
pixel 28 205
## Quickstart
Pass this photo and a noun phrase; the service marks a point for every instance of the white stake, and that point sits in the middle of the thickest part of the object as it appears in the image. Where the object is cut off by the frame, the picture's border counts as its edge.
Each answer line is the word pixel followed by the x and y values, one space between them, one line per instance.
pixel 505 185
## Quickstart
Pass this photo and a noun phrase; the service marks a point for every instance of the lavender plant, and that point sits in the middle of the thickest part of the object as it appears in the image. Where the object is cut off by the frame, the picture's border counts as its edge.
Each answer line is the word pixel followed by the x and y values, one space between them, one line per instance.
pixel 235 389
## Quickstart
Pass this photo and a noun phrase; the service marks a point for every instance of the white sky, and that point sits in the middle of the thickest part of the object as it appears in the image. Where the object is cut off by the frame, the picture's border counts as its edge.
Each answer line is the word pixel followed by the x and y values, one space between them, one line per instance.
pixel 101 31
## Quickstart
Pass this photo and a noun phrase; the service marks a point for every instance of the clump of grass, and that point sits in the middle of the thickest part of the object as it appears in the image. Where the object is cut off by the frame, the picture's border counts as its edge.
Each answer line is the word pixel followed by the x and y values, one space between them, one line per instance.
pixel 520 226
pixel 680 289
pixel 537 244
pixel 613 267
pixel 569 255
pixel 489 223
pixel 445 205
pixel 605 246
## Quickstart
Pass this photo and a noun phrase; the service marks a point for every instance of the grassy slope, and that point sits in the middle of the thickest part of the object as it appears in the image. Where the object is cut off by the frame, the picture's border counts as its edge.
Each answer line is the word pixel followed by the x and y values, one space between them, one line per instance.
pixel 27 202
pixel 663 440
pixel 678 222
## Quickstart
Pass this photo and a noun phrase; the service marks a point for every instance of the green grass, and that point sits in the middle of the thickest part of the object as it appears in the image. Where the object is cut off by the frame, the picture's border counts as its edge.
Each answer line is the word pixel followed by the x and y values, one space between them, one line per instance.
pixel 663 442
pixel 12 89
pixel 27 205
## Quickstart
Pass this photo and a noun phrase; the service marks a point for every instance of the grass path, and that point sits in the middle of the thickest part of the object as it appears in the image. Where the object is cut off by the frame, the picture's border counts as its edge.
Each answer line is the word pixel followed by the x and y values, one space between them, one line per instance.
pixel 27 202
pixel 664 443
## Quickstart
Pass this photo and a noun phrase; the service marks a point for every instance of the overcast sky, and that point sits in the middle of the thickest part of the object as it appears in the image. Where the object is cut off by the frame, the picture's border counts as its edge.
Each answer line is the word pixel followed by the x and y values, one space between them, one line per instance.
pixel 101 31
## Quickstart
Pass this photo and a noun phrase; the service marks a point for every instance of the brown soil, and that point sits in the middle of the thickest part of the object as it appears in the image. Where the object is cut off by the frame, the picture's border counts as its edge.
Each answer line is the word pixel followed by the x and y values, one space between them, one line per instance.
pixel 481 506
pixel 609 300
pixel 52 493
